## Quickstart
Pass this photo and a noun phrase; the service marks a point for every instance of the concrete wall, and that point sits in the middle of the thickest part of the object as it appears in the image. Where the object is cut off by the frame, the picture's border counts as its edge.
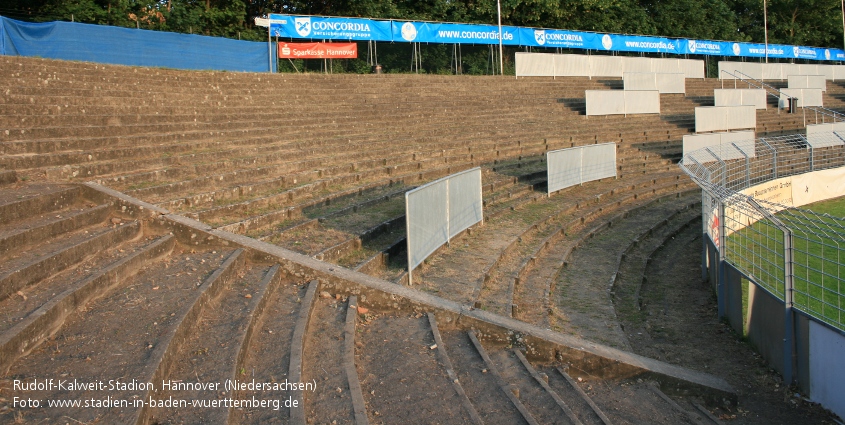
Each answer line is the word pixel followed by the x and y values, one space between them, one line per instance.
pixel 827 369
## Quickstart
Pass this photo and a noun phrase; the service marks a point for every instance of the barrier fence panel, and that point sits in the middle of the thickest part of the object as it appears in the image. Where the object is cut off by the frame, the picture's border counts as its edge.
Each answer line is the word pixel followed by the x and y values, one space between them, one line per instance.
pixel 738 97
pixel 605 102
pixel 732 145
pixel 773 72
pixel 575 166
pixel 465 202
pixel 573 65
pixel 825 135
pixel 619 102
pixel 426 215
pixel 807 82
pixel 807 69
pixel 779 71
pixel 710 118
pixel 666 66
pixel 563 168
pixel 662 82
pixel 598 162
pixel 606 66
pixel 806 97
pixel 535 64
pixel 637 64
pixel 671 83
pixel 437 211
pixel 740 117
pixel 639 81
pixel 642 102
pixel 691 68
pixel 723 118
pixel 828 71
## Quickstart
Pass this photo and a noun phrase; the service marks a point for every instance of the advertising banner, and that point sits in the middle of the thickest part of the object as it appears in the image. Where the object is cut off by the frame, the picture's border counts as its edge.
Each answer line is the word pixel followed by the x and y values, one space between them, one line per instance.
pixel 323 28
pixel 435 32
pixel 330 28
pixel 318 50
pixel 537 37
pixel 637 43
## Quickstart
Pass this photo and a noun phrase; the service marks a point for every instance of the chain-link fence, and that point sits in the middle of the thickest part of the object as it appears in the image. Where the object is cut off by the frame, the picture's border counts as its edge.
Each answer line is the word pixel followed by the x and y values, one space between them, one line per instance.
pixel 751 191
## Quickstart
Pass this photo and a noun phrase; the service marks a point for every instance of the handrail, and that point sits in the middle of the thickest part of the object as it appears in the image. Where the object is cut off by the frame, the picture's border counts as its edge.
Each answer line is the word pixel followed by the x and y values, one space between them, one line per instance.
pixel 751 81
pixel 762 86
pixel 825 112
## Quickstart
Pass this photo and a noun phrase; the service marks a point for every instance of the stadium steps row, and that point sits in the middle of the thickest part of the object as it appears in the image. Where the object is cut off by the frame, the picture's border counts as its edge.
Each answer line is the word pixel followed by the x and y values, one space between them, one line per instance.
pixel 121 294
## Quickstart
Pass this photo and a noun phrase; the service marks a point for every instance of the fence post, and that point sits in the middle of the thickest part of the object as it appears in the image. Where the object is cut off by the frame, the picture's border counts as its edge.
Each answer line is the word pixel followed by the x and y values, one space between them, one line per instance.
pixel 720 251
pixel 774 157
pixel 789 352
pixel 747 165
pixel 408 239
pixel 789 314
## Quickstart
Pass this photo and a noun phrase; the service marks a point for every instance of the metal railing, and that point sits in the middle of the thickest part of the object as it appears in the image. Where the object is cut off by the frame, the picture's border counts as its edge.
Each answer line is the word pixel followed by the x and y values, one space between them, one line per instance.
pixel 775 92
pixel 795 254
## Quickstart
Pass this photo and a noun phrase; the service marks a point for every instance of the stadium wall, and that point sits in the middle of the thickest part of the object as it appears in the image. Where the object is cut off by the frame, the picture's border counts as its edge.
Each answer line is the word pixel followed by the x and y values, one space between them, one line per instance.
pixel 792 342
pixel 134 47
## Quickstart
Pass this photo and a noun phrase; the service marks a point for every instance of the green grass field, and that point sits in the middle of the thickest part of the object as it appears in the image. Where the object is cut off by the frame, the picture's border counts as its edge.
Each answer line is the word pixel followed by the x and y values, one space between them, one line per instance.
pixel 818 258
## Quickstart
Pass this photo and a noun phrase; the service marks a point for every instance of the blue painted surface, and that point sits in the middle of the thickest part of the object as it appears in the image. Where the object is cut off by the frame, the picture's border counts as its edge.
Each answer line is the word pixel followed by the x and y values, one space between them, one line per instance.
pixel 127 46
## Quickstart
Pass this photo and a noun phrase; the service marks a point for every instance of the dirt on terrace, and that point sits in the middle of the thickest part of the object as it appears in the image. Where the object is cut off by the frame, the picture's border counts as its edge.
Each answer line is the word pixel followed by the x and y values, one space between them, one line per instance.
pixel 678 324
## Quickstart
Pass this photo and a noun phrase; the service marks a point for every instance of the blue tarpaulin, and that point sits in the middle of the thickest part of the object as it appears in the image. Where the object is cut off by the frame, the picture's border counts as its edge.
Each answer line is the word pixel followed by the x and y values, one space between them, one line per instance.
pixel 127 46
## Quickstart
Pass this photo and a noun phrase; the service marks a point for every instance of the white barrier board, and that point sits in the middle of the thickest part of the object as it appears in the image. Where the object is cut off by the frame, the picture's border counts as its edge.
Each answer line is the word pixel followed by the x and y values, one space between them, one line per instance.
pixel 824 135
pixel 724 118
pixel 605 102
pixel 732 145
pixel 738 97
pixel 662 82
pixel 622 102
pixel 807 82
pixel 806 97
pixel 437 211
pixel 574 166
pixel 779 71
pixel 554 65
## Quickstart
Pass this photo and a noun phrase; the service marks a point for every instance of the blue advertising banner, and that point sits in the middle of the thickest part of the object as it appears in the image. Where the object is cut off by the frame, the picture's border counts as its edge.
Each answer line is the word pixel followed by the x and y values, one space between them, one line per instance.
pixel 638 43
pixel 317 27
pixel 705 47
pixel 326 28
pixel 536 37
pixel 434 32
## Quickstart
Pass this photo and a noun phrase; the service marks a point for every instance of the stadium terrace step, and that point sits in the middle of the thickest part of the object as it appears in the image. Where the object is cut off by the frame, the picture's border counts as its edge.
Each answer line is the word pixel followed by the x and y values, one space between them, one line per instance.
pixel 493 241
pixel 593 266
pixel 212 347
pixel 283 157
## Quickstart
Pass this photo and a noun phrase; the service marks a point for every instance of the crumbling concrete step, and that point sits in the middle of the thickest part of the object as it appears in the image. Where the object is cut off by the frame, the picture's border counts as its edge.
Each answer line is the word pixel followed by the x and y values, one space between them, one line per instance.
pixel 478 380
pixel 124 336
pixel 208 353
pixel 398 366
